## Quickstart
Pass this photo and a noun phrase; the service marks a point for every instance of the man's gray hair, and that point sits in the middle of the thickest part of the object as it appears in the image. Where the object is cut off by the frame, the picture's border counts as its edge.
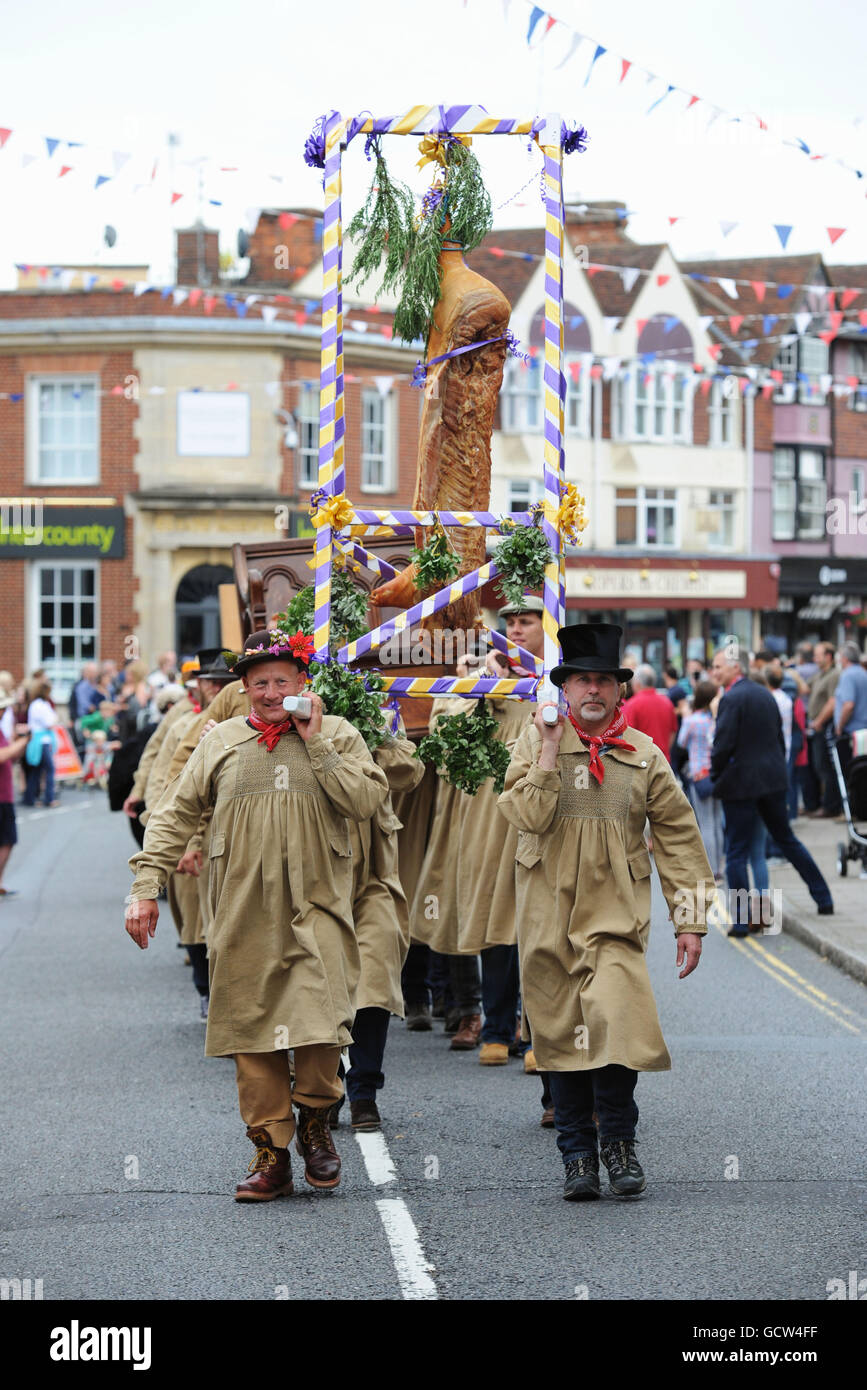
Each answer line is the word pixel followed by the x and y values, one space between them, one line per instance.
pixel 851 651
pixel 645 676
pixel 736 655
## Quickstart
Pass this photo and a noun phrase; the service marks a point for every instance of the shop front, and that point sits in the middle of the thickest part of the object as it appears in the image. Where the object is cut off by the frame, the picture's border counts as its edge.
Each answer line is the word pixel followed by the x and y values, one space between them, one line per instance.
pixel 675 609
pixel 823 598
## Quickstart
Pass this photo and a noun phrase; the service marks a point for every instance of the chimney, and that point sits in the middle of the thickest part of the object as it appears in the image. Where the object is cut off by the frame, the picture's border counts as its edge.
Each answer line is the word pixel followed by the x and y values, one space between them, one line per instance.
pixel 596 223
pixel 286 242
pixel 198 256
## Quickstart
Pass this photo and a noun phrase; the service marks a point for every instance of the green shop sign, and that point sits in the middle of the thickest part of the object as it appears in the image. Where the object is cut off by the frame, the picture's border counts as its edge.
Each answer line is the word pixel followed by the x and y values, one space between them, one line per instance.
pixel 31 531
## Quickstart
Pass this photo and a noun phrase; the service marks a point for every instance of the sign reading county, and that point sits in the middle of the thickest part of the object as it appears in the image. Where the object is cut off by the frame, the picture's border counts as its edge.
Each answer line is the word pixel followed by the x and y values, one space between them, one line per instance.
pixel 31 531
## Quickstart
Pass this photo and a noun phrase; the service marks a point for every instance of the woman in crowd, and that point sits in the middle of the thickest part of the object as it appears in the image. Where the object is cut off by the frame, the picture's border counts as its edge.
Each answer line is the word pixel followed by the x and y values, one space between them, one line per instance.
pixel 39 759
pixel 696 736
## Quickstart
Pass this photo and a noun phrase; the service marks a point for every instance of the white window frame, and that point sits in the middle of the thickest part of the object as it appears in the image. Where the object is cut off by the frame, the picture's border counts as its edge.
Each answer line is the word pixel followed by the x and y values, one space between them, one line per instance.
pixel 34 383
pixel 63 672
pixel 579 395
pixel 722 415
pixel 535 492
pixel 790 360
pixel 793 483
pixel 386 402
pixel 856 487
pixel 658 398
pixel 725 510
pixel 308 422
pixel 642 502
pixel 522 384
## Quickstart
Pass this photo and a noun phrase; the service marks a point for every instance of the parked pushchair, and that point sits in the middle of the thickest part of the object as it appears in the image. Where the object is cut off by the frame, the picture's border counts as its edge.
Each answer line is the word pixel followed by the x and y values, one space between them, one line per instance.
pixel 853 794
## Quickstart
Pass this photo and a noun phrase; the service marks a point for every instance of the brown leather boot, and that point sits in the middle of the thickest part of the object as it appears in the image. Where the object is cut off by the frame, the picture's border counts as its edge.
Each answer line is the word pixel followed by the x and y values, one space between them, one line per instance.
pixel 315 1145
pixel 271 1171
pixel 468 1034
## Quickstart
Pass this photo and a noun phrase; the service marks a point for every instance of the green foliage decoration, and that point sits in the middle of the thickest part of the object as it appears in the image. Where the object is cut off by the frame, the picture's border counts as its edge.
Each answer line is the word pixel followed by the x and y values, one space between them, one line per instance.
pixel 464 750
pixel 348 611
pixel 436 564
pixel 384 226
pixel 522 557
pixel 355 695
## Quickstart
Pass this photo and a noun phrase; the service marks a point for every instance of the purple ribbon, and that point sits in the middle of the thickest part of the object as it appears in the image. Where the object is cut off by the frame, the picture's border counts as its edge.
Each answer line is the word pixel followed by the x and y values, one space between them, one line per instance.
pixel 421 368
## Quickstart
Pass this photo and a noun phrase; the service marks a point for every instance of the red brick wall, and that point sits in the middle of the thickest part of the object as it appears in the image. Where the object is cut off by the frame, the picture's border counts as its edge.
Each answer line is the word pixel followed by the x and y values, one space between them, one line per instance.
pixel 849 430
pixel 118 447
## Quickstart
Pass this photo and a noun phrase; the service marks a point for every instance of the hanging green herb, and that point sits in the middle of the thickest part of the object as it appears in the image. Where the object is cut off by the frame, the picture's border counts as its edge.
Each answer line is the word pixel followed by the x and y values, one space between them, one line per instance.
pixel 384 226
pixel 356 696
pixel 421 285
pixel 469 203
pixel 435 565
pixel 348 611
pixel 522 557
pixel 464 750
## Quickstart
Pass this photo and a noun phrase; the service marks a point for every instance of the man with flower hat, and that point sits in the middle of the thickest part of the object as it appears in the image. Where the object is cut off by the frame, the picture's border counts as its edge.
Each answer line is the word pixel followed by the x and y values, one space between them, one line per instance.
pixel 283 955
pixel 579 792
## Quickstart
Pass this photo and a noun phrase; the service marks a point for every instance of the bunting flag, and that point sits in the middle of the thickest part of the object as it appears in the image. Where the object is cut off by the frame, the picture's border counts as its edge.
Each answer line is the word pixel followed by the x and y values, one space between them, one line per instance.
pixel 758 289
pixel 661 99
pixel 727 227
pixel 4 136
pixel 629 276
pixel 802 322
pixel 835 233
pixel 574 44
pixel 600 49
pixel 625 65
pixel 728 285
pixel 535 16
pixel 783 232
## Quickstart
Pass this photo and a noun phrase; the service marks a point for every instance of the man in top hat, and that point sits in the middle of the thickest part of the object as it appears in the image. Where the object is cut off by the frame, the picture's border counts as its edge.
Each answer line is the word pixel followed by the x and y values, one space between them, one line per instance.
pixel 283 955
pixel 579 792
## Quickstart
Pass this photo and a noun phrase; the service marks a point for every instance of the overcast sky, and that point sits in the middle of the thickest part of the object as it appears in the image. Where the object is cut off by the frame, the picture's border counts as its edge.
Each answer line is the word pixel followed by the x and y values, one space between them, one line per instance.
pixel 242 85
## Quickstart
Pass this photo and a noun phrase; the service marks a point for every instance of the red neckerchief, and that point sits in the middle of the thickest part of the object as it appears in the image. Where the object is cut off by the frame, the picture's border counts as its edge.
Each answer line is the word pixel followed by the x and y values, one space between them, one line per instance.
pixel 270 733
pixel 609 736
pixel 197 709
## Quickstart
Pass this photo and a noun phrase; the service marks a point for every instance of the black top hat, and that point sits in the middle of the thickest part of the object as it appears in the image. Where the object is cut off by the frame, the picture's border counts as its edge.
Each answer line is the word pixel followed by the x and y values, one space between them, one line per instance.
pixel 274 646
pixel 213 665
pixel 590 647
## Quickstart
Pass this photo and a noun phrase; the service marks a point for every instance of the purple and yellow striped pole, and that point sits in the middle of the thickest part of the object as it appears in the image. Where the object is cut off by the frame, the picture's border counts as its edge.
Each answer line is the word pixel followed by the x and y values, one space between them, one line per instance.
pixel 473 687
pixel 550 141
pixel 331 471
pixel 354 551
pixel 428 606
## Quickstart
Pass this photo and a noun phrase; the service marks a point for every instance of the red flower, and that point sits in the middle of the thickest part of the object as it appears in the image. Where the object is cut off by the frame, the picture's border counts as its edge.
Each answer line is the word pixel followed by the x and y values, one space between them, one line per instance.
pixel 301 646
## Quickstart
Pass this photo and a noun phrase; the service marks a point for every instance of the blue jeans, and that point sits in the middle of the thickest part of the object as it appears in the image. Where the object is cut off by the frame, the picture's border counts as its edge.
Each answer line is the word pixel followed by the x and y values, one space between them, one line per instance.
pixel 741 821
pixel 34 777
pixel 500 993
pixel 576 1094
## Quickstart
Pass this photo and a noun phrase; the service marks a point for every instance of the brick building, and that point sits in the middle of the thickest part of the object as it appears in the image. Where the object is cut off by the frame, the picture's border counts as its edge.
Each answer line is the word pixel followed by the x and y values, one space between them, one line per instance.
pixel 142 433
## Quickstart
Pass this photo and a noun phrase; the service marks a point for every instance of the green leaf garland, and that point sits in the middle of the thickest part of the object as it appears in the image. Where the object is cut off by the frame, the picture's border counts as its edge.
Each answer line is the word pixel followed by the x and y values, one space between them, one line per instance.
pixel 355 695
pixel 384 226
pixel 464 750
pixel 437 564
pixel 348 611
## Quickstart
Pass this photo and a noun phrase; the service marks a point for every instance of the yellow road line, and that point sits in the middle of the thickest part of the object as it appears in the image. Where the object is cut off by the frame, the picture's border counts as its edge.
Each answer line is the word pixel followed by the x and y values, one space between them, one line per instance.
pixel 814 989
pixel 780 979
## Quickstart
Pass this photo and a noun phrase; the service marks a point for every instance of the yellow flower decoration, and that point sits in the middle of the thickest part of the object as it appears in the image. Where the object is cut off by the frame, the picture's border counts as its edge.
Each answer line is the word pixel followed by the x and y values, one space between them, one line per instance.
pixel 570 518
pixel 337 512
pixel 433 149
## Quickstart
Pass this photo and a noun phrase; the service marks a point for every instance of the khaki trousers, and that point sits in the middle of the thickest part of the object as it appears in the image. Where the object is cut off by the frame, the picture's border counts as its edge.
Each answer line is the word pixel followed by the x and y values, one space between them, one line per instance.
pixel 265 1092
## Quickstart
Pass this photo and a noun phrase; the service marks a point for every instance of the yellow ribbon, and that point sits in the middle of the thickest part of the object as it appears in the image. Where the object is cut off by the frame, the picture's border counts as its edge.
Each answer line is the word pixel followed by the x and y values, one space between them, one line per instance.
pixel 337 512
pixel 570 518
pixel 433 149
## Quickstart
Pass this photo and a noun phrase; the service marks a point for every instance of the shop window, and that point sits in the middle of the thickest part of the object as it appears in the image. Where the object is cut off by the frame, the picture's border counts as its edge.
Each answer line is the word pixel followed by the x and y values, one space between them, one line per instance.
pixel 521 403
pixel 308 435
pixel 375 443
pixel 646 518
pixel 66 605
pixel 799 494
pixel 63 429
pixel 802 363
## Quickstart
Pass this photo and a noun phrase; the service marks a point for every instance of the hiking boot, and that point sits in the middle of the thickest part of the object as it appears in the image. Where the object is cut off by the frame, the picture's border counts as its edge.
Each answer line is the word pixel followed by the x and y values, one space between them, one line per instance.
pixel 582 1178
pixel 271 1171
pixel 365 1116
pixel 418 1018
pixel 530 1068
pixel 468 1033
pixel 625 1174
pixel 494 1055
pixel 547 1120
pixel 314 1143
pixel 334 1115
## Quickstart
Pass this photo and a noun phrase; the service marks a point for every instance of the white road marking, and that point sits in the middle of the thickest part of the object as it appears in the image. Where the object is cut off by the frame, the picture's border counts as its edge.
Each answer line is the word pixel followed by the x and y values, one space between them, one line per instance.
pixel 377 1159
pixel 412 1269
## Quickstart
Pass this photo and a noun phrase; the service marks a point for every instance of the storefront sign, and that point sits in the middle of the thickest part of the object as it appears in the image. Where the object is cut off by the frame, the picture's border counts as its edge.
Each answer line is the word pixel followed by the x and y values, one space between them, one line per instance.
pixel 30 530
pixel 801 576
pixel 656 583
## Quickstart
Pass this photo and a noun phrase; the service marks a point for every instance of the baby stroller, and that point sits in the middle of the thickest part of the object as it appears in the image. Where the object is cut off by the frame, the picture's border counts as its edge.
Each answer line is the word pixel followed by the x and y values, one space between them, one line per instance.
pixel 853 794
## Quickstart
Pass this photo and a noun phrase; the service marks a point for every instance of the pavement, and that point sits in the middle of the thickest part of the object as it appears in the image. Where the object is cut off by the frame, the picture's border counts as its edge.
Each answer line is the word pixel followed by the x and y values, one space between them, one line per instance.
pixel 842 938
pixel 120 1143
